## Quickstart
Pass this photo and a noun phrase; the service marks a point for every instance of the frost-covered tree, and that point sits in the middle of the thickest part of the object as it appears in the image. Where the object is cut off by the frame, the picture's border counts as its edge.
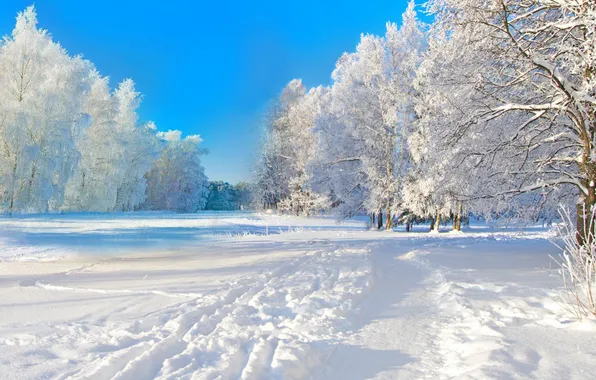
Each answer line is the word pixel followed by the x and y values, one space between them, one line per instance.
pixel 497 116
pixel 95 182
pixel 282 176
pixel 532 102
pixel 372 99
pixel 67 142
pixel 435 187
pixel 299 148
pixel 345 146
pixel 269 175
pixel 357 94
pixel 41 112
pixel 273 167
pixel 336 168
pixel 177 180
pixel 138 148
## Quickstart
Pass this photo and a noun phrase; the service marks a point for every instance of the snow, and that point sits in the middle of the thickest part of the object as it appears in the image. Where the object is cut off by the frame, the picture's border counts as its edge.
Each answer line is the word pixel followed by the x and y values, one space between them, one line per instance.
pixel 251 296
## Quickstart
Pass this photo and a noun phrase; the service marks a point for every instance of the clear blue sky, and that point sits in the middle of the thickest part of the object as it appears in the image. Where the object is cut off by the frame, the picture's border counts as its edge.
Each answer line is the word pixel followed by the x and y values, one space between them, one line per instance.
pixel 210 67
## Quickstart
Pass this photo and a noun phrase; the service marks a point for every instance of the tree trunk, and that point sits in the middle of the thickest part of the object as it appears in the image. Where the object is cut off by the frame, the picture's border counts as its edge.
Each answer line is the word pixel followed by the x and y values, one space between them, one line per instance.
pixel 380 220
pixel 460 215
pixel 585 216
pixel 408 225
pixel 437 223
pixel 389 221
pixel 372 219
pixel 12 186
pixel 585 207
pixel 389 165
pixel 457 217
pixel 30 182
pixel 432 224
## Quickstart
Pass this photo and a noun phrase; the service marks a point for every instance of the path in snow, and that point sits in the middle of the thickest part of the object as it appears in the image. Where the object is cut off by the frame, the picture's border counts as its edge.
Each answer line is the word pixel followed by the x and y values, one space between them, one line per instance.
pixel 467 307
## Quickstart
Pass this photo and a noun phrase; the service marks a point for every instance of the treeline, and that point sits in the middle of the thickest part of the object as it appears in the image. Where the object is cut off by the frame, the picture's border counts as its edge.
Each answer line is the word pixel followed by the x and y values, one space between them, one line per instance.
pixel 226 197
pixel 68 142
pixel 490 109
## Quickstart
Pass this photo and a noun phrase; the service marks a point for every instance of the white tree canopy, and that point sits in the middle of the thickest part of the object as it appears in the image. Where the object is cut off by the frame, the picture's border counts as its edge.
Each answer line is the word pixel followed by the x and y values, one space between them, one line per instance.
pixel 70 143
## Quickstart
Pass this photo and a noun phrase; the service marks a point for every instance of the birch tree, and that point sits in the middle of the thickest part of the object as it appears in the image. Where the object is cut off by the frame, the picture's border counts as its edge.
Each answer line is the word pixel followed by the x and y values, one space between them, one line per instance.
pixel 42 90
pixel 67 142
pixel 373 94
pixel 283 176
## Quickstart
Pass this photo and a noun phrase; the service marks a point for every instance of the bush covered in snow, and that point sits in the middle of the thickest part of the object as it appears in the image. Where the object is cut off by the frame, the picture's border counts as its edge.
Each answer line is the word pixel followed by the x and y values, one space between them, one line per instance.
pixel 578 266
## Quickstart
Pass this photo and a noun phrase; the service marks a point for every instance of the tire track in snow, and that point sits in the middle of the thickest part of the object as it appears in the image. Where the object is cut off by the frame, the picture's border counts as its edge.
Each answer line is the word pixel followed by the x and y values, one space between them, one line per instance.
pixel 272 324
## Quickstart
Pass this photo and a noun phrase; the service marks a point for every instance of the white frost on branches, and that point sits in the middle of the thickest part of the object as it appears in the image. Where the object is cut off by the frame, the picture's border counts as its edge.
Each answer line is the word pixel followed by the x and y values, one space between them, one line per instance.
pixel 70 143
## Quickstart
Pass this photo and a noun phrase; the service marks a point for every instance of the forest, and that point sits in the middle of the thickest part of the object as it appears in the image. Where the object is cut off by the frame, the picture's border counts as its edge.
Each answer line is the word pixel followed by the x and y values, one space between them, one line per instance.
pixel 490 109
pixel 69 142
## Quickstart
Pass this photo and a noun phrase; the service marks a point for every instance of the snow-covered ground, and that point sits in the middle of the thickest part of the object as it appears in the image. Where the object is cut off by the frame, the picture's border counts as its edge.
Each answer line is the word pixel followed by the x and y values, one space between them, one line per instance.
pixel 246 296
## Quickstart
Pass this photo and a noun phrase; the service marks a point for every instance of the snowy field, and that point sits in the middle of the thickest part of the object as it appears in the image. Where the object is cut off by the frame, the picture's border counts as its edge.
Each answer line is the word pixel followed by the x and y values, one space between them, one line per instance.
pixel 246 296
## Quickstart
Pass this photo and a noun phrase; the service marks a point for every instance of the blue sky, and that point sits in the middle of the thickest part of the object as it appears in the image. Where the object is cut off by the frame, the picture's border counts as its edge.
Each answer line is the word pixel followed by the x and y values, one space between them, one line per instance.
pixel 210 67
